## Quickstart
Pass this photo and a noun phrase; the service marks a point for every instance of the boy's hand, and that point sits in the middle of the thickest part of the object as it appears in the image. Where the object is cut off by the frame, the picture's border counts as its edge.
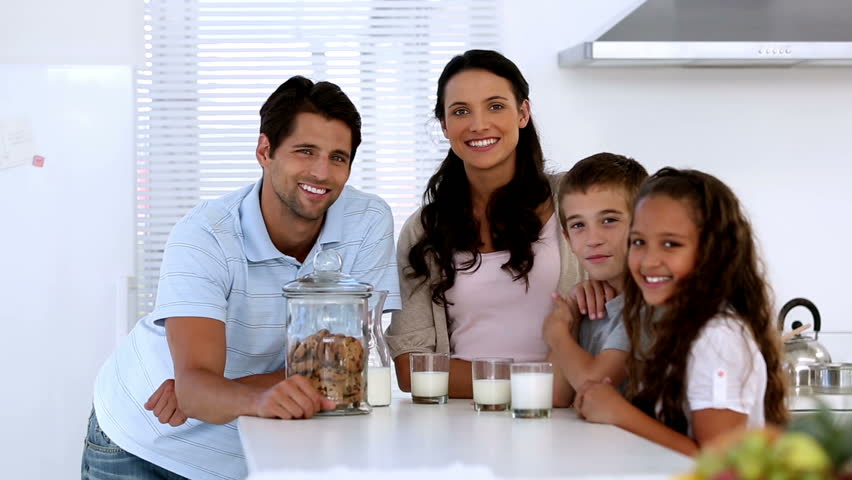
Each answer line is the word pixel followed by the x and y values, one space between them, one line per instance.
pixel 562 322
pixel 591 297
pixel 164 404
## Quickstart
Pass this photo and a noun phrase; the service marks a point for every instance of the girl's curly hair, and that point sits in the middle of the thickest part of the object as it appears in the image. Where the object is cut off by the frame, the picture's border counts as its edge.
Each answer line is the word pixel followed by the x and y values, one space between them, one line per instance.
pixel 728 278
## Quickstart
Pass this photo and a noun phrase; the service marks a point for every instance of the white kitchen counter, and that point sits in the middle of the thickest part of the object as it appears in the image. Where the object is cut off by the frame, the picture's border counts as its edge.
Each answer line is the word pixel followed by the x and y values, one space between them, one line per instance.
pixel 810 403
pixel 449 441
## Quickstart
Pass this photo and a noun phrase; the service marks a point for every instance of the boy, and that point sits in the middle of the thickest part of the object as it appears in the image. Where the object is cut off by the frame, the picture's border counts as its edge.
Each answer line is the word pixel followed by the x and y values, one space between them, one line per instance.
pixel 595 202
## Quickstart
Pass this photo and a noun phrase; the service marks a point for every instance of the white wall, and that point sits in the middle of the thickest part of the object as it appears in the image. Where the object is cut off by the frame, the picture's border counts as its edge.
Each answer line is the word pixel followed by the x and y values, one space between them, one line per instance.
pixel 79 32
pixel 67 235
pixel 779 137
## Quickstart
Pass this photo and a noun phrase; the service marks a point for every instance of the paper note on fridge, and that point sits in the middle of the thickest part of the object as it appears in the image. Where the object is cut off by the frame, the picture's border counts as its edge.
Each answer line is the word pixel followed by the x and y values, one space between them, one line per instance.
pixel 16 142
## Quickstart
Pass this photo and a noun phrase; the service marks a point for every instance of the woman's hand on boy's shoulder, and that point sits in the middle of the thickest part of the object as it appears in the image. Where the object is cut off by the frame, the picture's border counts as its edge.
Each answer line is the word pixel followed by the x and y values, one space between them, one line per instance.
pixel 591 297
pixel 563 320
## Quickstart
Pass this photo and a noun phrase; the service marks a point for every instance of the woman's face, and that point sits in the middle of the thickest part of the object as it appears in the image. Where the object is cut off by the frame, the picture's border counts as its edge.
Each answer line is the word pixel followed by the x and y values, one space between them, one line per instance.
pixel 482 120
pixel 663 246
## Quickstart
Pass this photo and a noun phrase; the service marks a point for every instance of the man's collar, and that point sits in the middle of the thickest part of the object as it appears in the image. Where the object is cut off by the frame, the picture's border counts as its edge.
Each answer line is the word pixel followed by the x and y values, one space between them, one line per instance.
pixel 332 227
pixel 259 246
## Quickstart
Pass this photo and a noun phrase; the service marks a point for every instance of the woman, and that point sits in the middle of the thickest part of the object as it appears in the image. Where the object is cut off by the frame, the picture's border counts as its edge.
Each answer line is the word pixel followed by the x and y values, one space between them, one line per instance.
pixel 472 278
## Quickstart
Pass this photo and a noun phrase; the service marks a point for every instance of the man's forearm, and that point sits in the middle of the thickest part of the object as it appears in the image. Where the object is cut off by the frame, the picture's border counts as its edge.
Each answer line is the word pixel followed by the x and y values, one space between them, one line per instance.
pixel 264 380
pixel 211 398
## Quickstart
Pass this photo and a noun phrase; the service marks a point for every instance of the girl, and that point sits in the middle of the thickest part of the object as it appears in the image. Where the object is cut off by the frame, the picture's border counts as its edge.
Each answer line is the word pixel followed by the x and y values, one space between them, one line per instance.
pixel 713 363
pixel 478 262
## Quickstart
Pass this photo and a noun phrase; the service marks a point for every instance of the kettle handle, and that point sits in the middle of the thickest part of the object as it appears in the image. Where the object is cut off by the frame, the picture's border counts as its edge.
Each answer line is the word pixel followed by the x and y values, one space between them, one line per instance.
pixel 796 302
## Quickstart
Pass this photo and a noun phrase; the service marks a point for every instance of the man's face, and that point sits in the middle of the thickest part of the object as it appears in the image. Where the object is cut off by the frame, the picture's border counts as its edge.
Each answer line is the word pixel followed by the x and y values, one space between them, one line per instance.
pixel 309 168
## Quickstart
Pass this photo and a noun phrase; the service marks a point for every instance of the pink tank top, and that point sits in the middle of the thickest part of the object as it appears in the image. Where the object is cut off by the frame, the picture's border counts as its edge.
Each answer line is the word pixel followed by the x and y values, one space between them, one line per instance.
pixel 493 316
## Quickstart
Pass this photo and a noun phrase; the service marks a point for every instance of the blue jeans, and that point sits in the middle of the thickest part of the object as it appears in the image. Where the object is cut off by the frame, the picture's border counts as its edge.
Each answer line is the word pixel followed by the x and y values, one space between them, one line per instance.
pixel 104 460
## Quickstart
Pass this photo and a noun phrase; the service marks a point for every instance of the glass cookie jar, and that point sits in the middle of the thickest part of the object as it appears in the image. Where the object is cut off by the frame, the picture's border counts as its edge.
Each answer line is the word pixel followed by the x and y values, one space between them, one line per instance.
pixel 327 330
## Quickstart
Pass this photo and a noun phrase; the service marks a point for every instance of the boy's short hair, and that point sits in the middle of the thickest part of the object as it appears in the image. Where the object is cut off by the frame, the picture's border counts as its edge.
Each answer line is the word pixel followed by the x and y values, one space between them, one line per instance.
pixel 602 170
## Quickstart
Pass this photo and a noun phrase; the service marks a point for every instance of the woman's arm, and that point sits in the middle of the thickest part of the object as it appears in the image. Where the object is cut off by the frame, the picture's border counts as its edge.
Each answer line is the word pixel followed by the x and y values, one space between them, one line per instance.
pixel 461 377
pixel 413 328
pixel 403 372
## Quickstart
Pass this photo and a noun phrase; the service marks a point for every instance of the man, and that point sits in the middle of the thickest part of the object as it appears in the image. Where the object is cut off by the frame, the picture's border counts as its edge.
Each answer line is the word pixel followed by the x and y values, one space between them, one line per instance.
pixel 218 324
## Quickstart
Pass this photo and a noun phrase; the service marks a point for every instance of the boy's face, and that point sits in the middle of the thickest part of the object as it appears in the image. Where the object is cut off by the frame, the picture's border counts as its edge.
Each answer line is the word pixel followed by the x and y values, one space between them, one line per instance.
pixel 598 223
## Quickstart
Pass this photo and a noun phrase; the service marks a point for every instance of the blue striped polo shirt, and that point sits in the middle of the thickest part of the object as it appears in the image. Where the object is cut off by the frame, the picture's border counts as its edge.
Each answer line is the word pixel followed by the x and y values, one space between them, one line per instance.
pixel 220 263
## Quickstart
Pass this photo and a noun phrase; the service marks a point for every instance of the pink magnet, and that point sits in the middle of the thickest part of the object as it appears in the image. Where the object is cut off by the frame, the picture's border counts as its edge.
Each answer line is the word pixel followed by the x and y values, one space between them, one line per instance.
pixel 38 161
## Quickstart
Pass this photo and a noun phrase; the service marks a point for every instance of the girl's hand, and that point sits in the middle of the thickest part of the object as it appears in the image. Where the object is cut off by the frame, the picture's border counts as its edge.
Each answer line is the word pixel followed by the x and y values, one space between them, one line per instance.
pixel 562 321
pixel 599 402
pixel 591 297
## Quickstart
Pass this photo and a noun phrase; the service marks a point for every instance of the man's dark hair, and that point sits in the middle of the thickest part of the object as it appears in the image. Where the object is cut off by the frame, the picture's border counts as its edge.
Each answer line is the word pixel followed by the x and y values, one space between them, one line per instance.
pixel 301 95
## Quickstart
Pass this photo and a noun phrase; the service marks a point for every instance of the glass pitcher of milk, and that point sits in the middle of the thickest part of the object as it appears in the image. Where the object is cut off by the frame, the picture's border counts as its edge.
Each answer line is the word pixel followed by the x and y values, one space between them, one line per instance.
pixel 378 356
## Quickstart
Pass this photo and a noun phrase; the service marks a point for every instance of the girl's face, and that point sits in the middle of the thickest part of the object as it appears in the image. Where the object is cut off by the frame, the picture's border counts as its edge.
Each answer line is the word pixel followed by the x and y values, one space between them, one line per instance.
pixel 663 246
pixel 482 120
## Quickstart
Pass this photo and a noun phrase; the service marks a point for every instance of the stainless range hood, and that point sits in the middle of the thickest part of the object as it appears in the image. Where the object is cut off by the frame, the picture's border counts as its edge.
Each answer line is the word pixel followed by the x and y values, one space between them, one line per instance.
pixel 723 33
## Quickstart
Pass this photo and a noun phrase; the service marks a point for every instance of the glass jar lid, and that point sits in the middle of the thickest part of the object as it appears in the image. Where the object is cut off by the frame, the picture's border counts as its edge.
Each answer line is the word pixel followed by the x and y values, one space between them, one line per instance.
pixel 327 278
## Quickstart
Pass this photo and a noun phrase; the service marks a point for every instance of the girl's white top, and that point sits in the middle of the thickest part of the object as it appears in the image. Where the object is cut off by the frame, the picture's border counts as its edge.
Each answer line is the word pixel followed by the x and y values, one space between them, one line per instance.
pixel 726 371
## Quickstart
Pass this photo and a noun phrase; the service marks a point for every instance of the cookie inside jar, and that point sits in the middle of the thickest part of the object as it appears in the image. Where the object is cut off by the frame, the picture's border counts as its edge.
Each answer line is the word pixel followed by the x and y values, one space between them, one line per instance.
pixel 334 364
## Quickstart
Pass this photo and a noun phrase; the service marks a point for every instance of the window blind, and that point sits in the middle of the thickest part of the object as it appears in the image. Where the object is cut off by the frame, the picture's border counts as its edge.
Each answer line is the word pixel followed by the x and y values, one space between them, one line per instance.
pixel 210 65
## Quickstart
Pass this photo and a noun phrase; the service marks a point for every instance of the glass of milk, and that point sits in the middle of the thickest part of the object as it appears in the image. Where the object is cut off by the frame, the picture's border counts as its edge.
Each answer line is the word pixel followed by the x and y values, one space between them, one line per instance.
pixel 430 377
pixel 491 385
pixel 532 390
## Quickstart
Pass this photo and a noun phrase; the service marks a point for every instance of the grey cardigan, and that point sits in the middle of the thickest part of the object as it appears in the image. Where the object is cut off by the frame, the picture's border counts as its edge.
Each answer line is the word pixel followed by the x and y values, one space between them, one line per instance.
pixel 421 325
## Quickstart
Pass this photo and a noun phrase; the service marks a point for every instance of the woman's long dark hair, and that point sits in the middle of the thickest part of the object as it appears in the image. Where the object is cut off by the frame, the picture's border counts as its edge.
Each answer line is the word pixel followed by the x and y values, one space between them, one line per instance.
pixel 728 278
pixel 447 216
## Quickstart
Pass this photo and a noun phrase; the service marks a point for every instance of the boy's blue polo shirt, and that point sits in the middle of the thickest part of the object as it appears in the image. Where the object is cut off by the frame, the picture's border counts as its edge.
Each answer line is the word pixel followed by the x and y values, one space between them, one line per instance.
pixel 220 263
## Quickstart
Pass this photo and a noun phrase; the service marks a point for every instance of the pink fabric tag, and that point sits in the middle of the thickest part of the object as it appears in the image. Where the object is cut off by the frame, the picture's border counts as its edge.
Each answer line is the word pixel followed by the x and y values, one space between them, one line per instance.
pixel 38 161
pixel 720 386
